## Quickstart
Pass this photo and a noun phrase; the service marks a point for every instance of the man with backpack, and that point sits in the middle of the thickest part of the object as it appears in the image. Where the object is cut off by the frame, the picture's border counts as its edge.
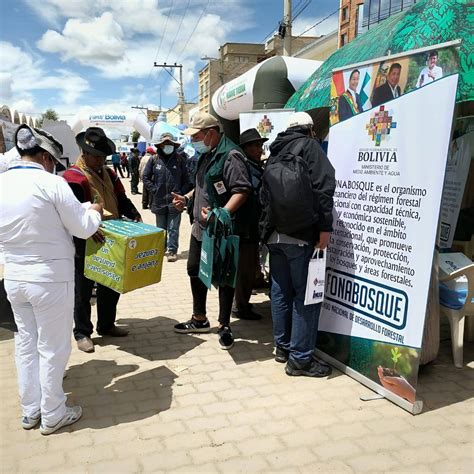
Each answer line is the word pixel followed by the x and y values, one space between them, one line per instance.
pixel 297 201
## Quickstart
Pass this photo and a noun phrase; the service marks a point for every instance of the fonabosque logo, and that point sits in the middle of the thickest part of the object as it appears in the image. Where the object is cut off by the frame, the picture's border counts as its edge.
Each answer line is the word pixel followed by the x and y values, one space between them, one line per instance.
pixel 379 125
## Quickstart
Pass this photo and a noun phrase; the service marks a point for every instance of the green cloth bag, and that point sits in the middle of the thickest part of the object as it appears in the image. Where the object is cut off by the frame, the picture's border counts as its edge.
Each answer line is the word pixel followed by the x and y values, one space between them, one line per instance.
pixel 206 261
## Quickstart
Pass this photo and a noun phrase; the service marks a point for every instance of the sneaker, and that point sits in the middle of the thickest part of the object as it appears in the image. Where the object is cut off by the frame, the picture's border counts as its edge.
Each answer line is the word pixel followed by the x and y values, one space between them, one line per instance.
pixel 172 257
pixel 226 338
pixel 193 326
pixel 247 315
pixel 311 369
pixel 320 361
pixel 85 344
pixel 29 422
pixel 281 355
pixel 71 416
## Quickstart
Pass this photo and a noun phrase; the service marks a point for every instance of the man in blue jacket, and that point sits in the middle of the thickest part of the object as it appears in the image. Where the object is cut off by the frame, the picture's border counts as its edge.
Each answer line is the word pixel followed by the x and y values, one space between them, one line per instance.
pixel 165 173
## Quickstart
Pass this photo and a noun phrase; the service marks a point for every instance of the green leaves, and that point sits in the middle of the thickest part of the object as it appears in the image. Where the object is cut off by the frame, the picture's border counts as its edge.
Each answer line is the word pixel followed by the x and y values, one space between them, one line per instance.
pixel 395 355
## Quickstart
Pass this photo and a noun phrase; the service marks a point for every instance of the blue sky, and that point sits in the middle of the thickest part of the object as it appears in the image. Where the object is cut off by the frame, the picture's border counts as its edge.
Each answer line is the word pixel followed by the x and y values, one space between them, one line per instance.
pixel 97 55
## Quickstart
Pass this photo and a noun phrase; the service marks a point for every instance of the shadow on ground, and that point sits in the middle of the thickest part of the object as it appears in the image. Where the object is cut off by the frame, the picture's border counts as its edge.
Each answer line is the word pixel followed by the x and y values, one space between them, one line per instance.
pixel 440 383
pixel 152 339
pixel 113 402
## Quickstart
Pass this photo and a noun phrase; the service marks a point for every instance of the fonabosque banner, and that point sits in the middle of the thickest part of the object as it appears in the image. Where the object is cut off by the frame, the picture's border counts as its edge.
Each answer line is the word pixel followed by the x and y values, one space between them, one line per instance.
pixel 390 163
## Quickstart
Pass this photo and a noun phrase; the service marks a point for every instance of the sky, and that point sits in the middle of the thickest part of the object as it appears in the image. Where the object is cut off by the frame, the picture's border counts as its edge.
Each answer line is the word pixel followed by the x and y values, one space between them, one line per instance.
pixel 82 56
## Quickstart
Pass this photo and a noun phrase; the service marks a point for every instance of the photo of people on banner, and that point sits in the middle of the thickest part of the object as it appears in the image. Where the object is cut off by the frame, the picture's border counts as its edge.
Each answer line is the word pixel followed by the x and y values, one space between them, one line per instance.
pixel 355 90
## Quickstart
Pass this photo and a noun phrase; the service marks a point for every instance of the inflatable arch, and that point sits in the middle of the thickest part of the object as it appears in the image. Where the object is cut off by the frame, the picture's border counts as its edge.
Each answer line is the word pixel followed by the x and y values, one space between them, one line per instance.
pixel 268 85
pixel 111 120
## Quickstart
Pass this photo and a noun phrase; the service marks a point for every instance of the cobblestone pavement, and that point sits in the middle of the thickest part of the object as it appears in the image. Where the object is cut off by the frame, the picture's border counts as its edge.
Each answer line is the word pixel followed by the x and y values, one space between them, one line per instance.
pixel 161 402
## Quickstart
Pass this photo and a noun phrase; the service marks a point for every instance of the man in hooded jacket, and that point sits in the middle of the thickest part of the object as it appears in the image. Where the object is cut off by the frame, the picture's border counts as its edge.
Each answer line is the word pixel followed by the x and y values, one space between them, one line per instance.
pixel 294 324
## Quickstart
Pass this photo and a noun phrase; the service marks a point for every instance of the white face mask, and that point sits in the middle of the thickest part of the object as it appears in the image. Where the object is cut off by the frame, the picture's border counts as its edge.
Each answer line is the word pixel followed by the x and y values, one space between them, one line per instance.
pixel 168 149
pixel 200 146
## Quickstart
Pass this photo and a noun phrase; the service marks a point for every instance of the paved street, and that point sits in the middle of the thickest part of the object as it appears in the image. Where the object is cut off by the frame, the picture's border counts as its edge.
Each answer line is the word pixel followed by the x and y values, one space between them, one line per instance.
pixel 161 402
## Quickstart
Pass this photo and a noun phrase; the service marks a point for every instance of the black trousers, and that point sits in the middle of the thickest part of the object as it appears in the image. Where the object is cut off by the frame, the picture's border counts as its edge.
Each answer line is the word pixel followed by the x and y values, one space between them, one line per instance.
pixel 199 290
pixel 246 273
pixel 118 169
pixel 107 300
pixel 146 197
pixel 134 181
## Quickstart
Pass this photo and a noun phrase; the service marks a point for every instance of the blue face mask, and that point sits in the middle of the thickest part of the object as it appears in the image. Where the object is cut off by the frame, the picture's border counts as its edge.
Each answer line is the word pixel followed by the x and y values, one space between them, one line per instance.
pixel 200 146
pixel 168 149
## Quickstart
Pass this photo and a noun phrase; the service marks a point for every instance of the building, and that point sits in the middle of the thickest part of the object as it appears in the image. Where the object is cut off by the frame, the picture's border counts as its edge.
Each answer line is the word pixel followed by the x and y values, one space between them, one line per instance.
pixel 233 59
pixel 357 16
pixel 173 114
pixel 319 49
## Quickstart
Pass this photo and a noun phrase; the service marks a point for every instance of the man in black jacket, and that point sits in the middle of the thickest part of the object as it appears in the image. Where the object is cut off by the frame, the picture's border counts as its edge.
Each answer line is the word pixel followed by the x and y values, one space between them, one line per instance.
pixel 294 324
pixel 167 173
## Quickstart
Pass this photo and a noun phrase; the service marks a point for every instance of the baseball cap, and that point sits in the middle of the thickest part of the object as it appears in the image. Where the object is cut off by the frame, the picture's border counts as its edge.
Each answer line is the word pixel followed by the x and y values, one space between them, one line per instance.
pixel 151 150
pixel 27 137
pixel 201 121
pixel 299 119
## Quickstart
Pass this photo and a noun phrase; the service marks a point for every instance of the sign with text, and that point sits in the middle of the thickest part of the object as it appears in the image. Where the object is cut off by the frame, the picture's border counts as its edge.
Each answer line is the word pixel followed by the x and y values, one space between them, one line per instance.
pixel 386 204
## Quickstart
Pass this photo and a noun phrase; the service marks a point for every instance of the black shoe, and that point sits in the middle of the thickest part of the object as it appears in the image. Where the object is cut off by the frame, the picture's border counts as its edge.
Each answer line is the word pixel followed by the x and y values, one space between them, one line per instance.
pixel 311 369
pixel 226 338
pixel 281 355
pixel 193 326
pixel 248 315
pixel 321 361
pixel 145 207
pixel 114 331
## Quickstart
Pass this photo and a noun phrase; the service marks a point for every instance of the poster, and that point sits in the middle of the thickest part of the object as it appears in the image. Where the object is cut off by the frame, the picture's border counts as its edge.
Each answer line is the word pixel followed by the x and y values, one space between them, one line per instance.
pixel 268 122
pixel 386 204
pixel 358 88
pixel 457 170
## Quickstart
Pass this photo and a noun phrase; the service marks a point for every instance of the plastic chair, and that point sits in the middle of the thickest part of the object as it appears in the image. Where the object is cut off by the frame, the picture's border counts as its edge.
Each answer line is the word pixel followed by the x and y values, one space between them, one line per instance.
pixel 456 316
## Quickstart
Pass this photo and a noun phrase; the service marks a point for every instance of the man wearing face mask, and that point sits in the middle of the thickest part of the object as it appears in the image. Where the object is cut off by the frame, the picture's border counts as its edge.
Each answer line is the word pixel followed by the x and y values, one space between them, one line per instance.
pixel 164 174
pixel 92 181
pixel 222 180
pixel 39 215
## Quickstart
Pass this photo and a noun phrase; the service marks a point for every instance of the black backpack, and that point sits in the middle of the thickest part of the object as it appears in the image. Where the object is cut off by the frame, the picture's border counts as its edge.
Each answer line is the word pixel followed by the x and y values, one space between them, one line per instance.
pixel 287 182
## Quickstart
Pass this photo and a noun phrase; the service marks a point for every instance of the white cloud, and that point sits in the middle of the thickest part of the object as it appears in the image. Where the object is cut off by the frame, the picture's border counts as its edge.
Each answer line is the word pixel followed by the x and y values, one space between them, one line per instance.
pixel 326 26
pixel 97 42
pixel 21 74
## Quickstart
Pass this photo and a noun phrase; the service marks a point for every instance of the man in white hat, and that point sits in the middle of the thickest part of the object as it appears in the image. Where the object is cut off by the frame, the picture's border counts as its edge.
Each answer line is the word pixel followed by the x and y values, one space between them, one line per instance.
pixel 222 180
pixel 38 219
pixel 296 218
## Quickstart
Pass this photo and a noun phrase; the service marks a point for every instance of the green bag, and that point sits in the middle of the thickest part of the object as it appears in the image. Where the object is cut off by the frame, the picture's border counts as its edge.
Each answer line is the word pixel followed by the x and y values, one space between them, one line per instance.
pixel 206 261
pixel 220 251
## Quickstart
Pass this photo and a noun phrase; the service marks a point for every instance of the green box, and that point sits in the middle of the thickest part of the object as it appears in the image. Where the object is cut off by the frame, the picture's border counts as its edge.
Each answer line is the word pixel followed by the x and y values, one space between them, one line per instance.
pixel 131 256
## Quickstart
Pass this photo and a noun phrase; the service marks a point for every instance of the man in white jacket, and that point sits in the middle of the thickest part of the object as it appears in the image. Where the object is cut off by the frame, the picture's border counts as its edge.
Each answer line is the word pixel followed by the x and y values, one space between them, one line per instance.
pixel 39 216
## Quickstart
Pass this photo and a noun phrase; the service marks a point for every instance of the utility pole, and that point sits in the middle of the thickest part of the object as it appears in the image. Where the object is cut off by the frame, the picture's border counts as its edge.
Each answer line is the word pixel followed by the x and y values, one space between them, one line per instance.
pixel 180 83
pixel 287 21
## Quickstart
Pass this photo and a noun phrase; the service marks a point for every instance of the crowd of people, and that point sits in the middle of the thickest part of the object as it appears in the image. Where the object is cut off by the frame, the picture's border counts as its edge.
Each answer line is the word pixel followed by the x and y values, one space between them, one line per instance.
pixel 46 218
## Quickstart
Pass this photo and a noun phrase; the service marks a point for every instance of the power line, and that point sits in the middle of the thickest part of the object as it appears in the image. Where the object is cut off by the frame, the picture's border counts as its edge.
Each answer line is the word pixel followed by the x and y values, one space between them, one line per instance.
pixel 161 39
pixel 318 23
pixel 195 27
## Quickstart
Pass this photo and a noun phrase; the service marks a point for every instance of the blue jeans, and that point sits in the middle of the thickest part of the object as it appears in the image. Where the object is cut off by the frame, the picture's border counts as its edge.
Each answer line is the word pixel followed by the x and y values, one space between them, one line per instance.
pixel 170 222
pixel 295 325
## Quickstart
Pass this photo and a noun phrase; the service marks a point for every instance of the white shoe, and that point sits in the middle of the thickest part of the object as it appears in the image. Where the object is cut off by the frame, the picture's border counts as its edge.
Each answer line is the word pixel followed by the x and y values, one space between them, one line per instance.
pixel 29 422
pixel 72 415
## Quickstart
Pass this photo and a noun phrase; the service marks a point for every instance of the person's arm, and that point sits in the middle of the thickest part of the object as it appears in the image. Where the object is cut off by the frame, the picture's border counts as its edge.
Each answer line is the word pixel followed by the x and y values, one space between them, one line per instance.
pixel 186 181
pixel 80 222
pixel 148 176
pixel 236 177
pixel 324 184
pixel 343 109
